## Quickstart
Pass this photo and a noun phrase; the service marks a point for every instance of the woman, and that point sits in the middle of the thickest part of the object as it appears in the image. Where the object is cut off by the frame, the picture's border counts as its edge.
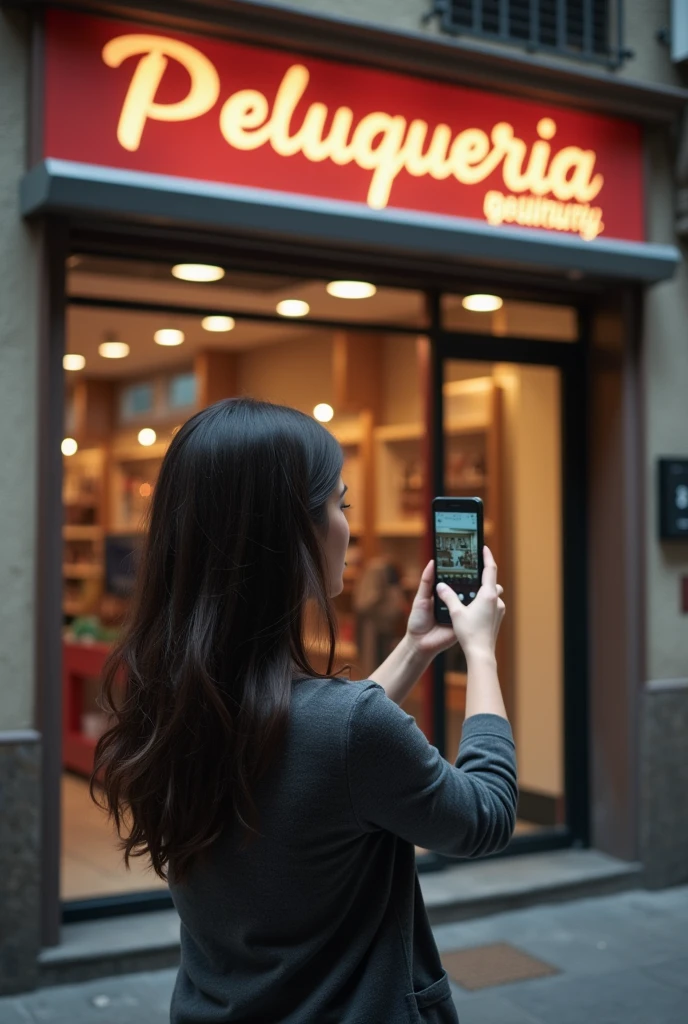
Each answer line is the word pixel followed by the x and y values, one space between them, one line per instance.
pixel 284 804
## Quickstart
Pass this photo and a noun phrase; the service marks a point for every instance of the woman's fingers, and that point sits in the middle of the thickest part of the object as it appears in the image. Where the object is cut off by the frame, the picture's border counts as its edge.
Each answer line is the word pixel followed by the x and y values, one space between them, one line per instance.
pixel 490 568
pixel 426 582
pixel 450 599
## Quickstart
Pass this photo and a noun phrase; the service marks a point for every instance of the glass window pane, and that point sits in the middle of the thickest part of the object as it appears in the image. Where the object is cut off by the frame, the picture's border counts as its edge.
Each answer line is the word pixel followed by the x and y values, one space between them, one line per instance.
pixel 502 440
pixel 513 318
pixel 135 400
pixel 182 391
pixel 248 292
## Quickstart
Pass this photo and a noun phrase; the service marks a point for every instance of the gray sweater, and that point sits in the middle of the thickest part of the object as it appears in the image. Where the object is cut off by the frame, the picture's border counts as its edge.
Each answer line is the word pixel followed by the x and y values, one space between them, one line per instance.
pixel 322 920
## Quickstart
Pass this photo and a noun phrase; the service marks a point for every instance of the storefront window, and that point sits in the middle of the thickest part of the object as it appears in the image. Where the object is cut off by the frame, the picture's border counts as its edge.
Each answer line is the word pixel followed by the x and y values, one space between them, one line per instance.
pixel 509 318
pixel 179 346
pixel 502 443
pixel 154 348
pixel 238 291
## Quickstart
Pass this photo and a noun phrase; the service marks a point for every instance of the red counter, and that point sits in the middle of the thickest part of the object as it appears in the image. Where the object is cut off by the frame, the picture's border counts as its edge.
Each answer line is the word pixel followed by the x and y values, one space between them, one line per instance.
pixel 79 662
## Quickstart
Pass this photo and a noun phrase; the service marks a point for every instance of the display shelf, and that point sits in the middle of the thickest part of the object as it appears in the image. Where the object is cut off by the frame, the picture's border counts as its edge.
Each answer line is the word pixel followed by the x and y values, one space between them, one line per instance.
pixel 401 528
pixel 82 572
pixel 348 432
pixel 455 692
pixel 399 432
pixel 72 608
pixel 80 503
pixel 82 532
pixel 132 482
pixel 127 450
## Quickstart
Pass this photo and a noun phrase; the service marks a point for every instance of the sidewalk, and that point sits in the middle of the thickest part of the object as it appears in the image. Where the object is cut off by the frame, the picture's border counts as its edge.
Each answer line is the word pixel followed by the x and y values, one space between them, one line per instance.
pixel 619 959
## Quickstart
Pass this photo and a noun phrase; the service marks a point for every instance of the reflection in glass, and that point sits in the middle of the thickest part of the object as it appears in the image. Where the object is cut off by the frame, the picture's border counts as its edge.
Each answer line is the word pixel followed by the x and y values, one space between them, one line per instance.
pixel 512 319
pixel 502 443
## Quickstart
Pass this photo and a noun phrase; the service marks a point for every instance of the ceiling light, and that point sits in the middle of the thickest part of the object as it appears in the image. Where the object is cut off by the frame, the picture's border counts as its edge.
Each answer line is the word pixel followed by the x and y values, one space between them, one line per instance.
pixel 293 307
pixel 200 272
pixel 482 303
pixel 169 336
pixel 73 362
pixel 323 412
pixel 351 289
pixel 147 437
pixel 218 323
pixel 114 350
pixel 69 446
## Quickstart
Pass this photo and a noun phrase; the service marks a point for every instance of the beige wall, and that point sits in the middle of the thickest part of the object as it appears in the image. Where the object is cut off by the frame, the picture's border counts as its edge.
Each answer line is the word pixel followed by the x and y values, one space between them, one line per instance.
pixel 18 347
pixel 533 500
pixel 296 373
pixel 652 61
pixel 643 19
pixel 665 346
pixel 396 14
pixel 402 399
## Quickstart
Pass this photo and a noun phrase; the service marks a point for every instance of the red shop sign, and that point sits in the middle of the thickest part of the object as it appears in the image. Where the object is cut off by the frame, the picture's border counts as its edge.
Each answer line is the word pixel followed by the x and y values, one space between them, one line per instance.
pixel 145 99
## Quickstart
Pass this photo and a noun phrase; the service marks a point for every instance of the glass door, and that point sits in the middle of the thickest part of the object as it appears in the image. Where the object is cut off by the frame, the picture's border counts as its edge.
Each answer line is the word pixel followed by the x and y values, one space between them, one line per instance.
pixel 502 443
pixel 509 428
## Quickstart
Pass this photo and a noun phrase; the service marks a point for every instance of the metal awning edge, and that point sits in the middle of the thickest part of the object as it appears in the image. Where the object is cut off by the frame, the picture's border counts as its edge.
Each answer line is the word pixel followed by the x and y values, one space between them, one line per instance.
pixel 68 188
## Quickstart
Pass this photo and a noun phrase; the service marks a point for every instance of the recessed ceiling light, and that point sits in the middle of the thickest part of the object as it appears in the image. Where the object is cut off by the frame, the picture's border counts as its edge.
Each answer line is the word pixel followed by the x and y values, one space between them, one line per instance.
pixel 73 362
pixel 323 412
pixel 202 272
pixel 147 437
pixel 169 336
pixel 293 307
pixel 69 446
pixel 482 303
pixel 114 350
pixel 218 323
pixel 351 289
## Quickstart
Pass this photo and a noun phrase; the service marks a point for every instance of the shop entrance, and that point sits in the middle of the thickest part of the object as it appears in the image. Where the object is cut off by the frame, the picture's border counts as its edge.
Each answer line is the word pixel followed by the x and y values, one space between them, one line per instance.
pixel 428 394
pixel 512 431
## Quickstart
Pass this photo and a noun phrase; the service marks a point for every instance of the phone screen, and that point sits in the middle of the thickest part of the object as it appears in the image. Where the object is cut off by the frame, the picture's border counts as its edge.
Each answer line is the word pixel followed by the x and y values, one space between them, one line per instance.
pixel 456 552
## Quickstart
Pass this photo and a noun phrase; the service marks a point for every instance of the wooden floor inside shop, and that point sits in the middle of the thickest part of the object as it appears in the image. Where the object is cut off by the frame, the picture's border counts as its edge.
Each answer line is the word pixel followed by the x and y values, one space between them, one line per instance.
pixel 91 863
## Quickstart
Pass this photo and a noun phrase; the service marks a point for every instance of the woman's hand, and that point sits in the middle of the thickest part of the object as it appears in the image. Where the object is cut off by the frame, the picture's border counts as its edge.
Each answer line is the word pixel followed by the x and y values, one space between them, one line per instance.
pixel 423 634
pixel 476 626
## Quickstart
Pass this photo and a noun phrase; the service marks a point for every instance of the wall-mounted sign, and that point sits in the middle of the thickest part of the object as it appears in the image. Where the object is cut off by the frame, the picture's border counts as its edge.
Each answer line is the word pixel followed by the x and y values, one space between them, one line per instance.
pixel 146 99
pixel 673 499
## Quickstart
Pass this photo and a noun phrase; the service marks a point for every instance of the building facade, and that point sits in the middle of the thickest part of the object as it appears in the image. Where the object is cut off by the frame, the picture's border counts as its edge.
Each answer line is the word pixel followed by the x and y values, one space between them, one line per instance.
pixel 583 240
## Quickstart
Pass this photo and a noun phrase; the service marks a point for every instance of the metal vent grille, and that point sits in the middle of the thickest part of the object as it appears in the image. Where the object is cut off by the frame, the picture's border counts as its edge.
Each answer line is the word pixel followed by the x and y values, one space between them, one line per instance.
pixel 588 30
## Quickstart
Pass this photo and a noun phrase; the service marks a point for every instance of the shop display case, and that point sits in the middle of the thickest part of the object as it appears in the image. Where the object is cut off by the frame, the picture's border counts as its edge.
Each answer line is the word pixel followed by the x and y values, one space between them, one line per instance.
pixel 83 531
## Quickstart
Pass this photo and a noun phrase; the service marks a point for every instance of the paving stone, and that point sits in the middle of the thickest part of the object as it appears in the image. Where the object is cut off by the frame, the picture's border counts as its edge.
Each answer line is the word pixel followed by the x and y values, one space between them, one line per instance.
pixel 12 1012
pixel 492 1009
pixel 623 997
pixel 122 1000
pixel 624 960
pixel 671 972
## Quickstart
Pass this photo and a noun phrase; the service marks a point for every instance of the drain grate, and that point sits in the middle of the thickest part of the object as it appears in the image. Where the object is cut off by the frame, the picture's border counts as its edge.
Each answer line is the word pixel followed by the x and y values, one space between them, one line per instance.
pixel 497 964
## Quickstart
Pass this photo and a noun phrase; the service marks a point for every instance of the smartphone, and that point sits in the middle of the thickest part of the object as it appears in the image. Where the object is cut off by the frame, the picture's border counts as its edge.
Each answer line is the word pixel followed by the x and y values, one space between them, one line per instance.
pixel 457 526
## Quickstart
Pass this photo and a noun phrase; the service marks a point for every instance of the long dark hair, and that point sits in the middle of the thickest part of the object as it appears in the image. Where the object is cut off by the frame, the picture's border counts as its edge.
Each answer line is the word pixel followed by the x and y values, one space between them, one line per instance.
pixel 199 685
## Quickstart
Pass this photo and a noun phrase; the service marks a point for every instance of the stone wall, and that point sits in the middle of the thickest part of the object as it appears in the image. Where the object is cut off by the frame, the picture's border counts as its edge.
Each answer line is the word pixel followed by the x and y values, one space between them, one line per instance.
pixel 19 860
pixel 664 783
pixel 19 318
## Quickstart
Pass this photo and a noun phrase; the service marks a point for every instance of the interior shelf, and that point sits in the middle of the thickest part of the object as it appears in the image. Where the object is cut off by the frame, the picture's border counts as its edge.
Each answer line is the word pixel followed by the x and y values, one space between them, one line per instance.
pixel 82 572
pixel 82 532
pixel 402 528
